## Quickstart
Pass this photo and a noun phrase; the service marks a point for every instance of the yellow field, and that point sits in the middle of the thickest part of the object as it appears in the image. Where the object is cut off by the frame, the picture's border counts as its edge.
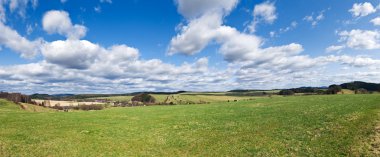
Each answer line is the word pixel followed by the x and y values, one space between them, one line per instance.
pixel 347 91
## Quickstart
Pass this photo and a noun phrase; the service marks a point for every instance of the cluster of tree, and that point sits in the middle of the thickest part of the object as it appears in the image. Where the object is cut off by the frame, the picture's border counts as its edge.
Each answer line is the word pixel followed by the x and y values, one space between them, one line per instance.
pixel 144 98
pixel 286 92
pixel 357 86
pixel 361 85
pixel 15 97
pixel 306 90
pixel 333 89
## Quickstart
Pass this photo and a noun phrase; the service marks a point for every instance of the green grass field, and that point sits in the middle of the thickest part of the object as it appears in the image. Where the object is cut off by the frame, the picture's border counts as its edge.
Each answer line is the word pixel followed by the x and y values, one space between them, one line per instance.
pixel 336 125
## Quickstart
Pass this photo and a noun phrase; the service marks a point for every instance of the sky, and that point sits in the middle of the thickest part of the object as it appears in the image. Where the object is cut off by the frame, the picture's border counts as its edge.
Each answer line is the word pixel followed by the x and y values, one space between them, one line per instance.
pixel 122 46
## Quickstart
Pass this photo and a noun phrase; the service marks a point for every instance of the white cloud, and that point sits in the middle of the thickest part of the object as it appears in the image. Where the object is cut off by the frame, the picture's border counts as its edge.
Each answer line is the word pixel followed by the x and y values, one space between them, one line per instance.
pixel 361 39
pixel 335 48
pixel 292 26
pixel 106 1
pixel 2 12
pixel 315 19
pixel 354 61
pixel 252 65
pixel 376 21
pixel 265 12
pixel 98 9
pixel 29 29
pixel 196 35
pixel 272 34
pixel 63 1
pixel 18 6
pixel 362 9
pixel 237 47
pixel 71 53
pixel 117 70
pixel 11 39
pixel 81 54
pixel 195 8
pixel 21 5
pixel 59 22
pixel 360 61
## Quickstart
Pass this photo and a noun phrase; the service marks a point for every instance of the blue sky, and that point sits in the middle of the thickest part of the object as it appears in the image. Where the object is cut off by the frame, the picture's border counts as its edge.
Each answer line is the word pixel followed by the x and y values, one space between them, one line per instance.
pixel 115 46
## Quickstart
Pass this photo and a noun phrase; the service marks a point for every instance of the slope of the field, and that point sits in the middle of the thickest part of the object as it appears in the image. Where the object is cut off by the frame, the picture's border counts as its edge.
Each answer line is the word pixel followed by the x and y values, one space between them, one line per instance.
pixel 338 125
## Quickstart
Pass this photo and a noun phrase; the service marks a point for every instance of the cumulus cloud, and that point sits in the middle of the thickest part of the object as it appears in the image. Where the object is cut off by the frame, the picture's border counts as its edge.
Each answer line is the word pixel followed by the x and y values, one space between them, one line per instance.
pixel 362 9
pixel 252 64
pixel 335 48
pixel 196 36
pixel 89 67
pixel 236 46
pixel 376 21
pixel 354 61
pixel 81 54
pixel 77 54
pixel 14 41
pixel 109 74
pixel 249 62
pixel 361 39
pixel 56 21
pixel 265 12
pixel 361 61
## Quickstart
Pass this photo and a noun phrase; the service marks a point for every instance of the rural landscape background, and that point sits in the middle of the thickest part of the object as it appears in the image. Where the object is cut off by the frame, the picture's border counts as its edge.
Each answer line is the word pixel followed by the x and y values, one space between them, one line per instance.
pixel 189 78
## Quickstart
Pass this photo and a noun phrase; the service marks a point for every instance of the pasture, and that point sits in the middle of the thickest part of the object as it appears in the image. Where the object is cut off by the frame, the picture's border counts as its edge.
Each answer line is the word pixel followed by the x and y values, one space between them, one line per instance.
pixel 319 125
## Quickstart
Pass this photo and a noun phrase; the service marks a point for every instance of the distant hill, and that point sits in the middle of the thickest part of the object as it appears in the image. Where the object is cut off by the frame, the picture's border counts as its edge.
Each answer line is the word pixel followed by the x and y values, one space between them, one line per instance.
pixel 355 85
pixel 87 96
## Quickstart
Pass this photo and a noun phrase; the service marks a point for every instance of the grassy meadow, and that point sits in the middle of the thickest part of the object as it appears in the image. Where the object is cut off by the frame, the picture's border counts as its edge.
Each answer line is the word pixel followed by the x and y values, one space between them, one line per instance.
pixel 320 125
